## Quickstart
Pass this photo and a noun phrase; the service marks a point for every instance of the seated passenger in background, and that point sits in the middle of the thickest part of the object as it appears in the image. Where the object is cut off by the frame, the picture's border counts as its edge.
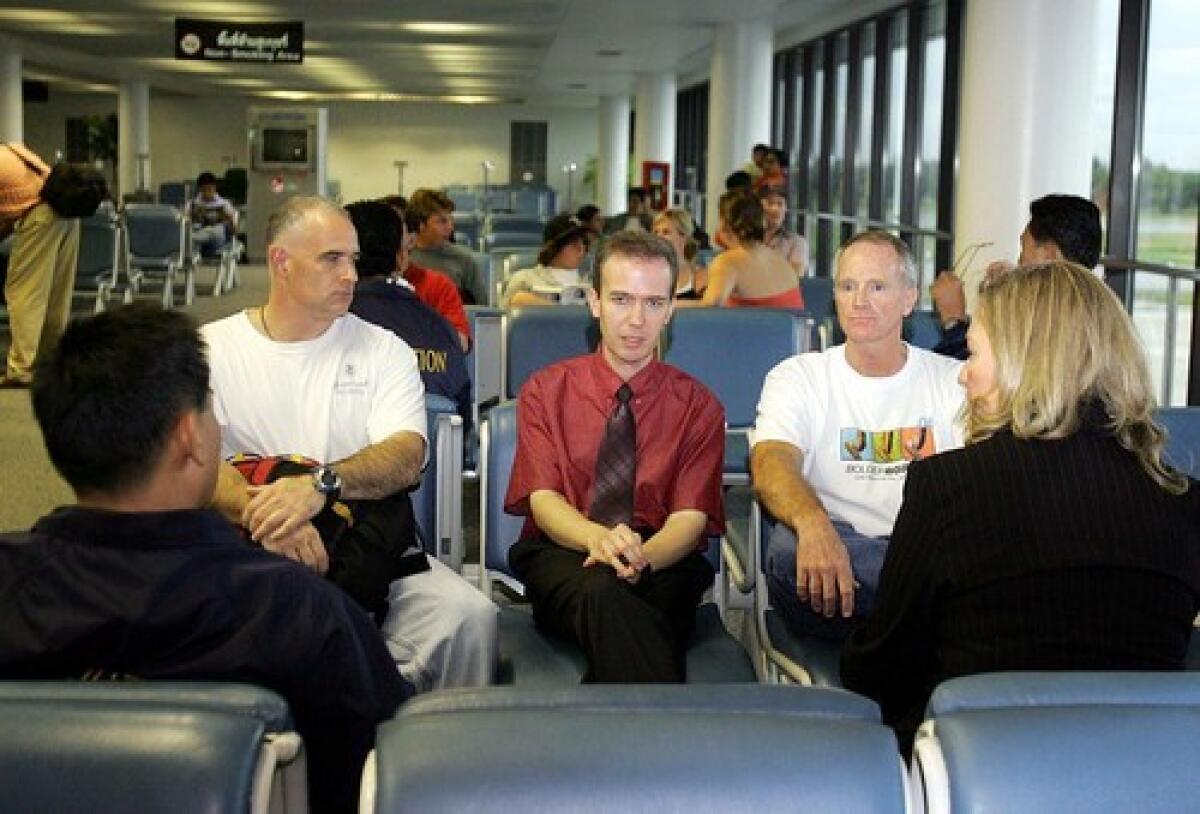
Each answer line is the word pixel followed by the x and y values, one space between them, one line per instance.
pixel 636 217
pixel 383 297
pixel 618 471
pixel 676 227
pixel 555 279
pixel 754 167
pixel 1061 227
pixel 792 246
pixel 139 580
pixel 431 210
pixel 835 434
pixel 214 219
pixel 593 220
pixel 1057 539
pixel 431 287
pixel 747 274
pixel 774 171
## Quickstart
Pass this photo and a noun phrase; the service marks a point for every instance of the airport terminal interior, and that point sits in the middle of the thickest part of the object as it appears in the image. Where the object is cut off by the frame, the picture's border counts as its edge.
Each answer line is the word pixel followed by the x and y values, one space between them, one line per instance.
pixel 940 122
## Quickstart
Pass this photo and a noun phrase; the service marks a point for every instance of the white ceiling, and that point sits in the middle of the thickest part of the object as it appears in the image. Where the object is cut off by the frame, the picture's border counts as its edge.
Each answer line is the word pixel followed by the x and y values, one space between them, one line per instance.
pixel 550 51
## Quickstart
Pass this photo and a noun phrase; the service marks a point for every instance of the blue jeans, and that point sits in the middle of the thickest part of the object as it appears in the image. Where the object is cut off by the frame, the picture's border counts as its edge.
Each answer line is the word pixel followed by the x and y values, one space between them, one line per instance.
pixel 866 560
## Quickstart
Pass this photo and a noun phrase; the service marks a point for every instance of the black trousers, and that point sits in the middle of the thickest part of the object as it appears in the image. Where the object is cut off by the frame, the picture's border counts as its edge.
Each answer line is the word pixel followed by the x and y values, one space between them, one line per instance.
pixel 629 633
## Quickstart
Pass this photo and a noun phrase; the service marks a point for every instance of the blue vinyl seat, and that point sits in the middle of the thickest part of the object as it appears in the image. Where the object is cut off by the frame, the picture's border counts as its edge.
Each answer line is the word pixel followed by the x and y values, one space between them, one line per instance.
pixel 157 237
pixel 537 337
pixel 530 658
pixel 530 223
pixel 485 367
pixel 923 329
pixel 437 501
pixel 1064 741
pixel 512 240
pixel 694 749
pixel 731 350
pixel 97 268
pixel 807 660
pixel 1183 437
pixel 147 746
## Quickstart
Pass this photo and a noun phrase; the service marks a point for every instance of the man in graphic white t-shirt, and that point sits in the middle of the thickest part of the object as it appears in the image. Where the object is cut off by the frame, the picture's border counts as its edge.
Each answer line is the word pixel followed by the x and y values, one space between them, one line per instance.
pixel 835 434
pixel 301 376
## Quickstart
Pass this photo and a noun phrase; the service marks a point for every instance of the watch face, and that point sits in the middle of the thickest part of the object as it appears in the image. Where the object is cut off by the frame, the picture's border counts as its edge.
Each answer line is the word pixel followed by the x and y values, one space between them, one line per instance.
pixel 327 479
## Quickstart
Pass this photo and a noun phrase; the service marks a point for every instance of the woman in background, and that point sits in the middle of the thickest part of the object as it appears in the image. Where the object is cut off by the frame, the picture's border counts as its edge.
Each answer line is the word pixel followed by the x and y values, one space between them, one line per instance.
pixel 748 273
pixel 1057 539
pixel 676 227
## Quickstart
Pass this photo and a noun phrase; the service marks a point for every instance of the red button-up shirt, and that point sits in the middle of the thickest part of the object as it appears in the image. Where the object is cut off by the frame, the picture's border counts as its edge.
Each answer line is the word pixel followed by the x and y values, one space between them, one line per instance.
pixel 561 413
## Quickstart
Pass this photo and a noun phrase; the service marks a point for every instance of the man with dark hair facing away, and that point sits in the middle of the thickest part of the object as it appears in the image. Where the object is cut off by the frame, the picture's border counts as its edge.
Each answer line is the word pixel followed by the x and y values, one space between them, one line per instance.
pixel 138 579
pixel 1061 227
pixel 618 471
pixel 383 297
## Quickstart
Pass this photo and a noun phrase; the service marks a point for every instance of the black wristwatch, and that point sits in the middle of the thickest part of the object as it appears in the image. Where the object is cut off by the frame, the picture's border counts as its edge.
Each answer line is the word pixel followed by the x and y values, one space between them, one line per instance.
pixel 328 482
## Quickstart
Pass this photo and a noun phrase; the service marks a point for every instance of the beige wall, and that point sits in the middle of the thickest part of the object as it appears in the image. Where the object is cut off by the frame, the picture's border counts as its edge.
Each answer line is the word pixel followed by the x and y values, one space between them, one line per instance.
pixel 443 144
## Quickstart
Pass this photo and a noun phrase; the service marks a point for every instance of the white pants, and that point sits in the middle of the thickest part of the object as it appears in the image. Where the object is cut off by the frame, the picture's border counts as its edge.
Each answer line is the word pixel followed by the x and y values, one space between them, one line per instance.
pixel 441 630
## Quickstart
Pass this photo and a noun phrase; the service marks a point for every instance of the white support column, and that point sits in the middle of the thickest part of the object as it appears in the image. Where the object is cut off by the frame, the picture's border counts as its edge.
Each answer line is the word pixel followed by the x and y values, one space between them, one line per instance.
pixel 654 123
pixel 739 102
pixel 612 169
pixel 1026 118
pixel 133 133
pixel 12 108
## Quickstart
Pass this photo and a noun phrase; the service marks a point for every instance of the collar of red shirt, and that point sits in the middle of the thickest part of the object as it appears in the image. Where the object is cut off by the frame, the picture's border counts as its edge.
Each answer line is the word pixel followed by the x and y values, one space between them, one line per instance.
pixel 606 382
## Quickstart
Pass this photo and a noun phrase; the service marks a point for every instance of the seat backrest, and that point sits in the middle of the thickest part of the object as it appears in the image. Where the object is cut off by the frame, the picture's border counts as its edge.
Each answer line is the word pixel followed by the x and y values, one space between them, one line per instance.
pixel 442 417
pixel 731 350
pixel 1183 437
pixel 1064 688
pixel 507 262
pixel 174 193
pixel 922 329
pixel 698 752
pixel 512 240
pixel 484 359
pixel 58 755
pixel 537 337
pixel 818 296
pixel 153 231
pixel 1061 758
pixel 239 699
pixel 99 242
pixel 464 200
pixel 527 223
pixel 497 450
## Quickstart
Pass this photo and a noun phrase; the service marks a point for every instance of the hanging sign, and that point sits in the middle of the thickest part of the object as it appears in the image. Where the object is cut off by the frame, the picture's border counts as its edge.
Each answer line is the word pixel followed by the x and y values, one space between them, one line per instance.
pixel 239 42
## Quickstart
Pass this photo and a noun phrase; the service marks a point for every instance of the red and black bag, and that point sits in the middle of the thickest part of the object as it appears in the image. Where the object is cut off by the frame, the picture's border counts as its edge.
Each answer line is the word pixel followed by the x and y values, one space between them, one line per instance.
pixel 370 543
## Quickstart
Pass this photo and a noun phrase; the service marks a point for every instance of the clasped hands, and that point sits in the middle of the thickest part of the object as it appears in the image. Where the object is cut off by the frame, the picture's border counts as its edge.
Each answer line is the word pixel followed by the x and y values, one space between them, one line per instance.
pixel 620 548
pixel 278 516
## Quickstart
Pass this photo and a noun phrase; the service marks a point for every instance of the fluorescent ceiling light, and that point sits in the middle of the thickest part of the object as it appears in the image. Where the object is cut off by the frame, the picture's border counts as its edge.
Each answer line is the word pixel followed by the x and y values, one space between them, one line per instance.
pixel 75 22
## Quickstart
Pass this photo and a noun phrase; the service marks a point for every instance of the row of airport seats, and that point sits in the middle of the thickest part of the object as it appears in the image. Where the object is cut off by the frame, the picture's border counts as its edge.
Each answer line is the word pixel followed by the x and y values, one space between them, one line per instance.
pixel 1029 742
pixel 480 231
pixel 145 246
pixel 517 200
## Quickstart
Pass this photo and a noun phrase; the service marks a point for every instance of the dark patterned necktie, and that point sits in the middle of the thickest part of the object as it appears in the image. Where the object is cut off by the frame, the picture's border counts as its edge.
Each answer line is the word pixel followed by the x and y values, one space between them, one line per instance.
pixel 616 465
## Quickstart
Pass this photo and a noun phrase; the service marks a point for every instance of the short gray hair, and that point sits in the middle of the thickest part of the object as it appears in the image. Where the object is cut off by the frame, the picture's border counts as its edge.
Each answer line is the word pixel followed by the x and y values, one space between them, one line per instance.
pixel 294 210
pixel 878 237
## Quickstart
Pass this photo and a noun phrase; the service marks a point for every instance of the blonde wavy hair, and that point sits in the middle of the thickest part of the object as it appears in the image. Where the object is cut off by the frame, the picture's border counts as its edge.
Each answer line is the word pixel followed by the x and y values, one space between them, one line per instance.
pixel 1063 347
pixel 682 220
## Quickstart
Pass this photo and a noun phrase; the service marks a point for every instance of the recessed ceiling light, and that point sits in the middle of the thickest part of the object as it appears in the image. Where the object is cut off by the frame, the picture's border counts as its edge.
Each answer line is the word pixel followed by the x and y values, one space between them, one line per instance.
pixel 609 52
pixel 577 85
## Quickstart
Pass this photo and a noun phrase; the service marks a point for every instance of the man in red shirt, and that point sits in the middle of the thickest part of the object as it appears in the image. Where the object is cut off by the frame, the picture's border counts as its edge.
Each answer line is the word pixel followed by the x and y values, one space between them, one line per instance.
pixel 620 575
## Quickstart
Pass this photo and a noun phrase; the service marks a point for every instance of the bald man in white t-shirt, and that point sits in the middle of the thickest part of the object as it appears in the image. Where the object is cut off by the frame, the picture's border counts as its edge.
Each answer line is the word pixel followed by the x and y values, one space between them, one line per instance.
pixel 301 376
pixel 835 434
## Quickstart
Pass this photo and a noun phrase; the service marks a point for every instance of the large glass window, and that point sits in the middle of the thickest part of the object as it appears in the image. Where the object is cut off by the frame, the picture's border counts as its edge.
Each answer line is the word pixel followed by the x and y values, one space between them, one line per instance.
pixel 870 98
pixel 1169 191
